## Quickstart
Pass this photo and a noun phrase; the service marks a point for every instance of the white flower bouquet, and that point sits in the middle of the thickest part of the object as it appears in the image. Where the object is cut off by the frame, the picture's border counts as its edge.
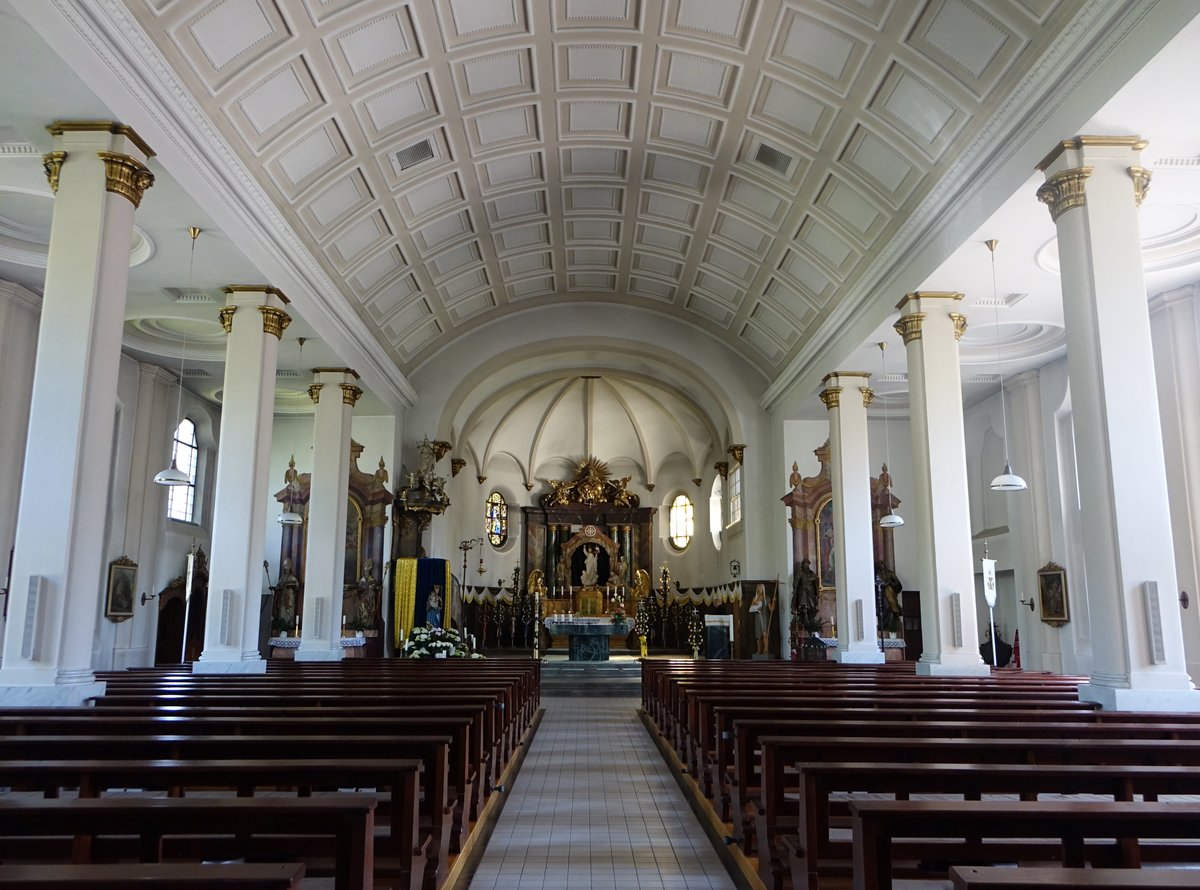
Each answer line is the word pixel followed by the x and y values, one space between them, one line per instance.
pixel 436 642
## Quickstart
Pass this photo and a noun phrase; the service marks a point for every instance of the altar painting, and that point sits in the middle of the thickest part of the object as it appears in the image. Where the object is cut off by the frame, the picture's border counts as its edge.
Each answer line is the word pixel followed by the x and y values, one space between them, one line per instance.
pixel 826 563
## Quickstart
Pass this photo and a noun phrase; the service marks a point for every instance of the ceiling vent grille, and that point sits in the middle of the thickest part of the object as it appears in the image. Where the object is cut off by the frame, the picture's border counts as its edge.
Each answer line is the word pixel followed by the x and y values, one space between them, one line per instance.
pixel 773 158
pixel 183 295
pixel 414 154
pixel 286 374
pixel 1005 302
pixel 196 373
pixel 984 378
pixel 893 377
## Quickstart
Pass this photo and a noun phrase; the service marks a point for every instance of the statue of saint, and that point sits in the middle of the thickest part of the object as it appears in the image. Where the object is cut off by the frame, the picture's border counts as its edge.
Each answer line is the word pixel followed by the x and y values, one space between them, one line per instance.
pixel 285 589
pixel 591 570
pixel 763 610
pixel 804 589
pixel 433 607
pixel 620 572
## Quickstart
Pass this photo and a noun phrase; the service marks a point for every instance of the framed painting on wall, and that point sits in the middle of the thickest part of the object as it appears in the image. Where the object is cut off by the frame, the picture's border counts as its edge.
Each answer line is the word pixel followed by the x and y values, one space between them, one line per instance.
pixel 1052 592
pixel 826 565
pixel 122 579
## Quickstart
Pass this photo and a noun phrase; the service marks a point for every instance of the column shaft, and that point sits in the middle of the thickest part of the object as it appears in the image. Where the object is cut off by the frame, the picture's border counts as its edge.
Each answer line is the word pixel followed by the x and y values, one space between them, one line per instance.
pixel 98 172
pixel 930 326
pixel 325 558
pixel 847 395
pixel 1093 186
pixel 254 319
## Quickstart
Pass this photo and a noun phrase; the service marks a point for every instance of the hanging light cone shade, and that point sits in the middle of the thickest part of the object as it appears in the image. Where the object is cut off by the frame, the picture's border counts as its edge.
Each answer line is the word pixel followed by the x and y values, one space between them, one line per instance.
pixel 289 517
pixel 172 476
pixel 890 520
pixel 1008 481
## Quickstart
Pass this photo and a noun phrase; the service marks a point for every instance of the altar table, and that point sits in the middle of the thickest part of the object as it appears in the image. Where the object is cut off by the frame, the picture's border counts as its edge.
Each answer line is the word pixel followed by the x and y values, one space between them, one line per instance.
pixel 589 637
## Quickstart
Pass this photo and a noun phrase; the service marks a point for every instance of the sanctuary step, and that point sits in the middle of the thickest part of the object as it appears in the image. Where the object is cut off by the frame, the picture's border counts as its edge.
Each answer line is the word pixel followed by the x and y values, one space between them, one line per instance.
pixel 619 676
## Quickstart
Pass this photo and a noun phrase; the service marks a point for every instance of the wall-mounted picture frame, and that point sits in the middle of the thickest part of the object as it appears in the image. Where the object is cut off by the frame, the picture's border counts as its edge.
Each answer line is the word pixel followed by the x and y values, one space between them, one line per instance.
pixel 122 581
pixel 1052 594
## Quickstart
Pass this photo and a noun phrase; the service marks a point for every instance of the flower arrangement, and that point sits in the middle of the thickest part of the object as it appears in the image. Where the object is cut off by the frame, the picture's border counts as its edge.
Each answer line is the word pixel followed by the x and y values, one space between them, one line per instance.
pixel 436 642
pixel 617 609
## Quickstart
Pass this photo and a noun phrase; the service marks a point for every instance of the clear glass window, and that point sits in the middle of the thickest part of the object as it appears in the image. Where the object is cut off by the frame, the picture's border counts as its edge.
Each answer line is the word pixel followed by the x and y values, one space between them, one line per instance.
pixel 683 521
pixel 181 499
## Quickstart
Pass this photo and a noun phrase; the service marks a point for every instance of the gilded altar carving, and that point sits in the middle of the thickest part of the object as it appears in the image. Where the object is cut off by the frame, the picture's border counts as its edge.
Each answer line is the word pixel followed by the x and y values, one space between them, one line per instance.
pixel 590 486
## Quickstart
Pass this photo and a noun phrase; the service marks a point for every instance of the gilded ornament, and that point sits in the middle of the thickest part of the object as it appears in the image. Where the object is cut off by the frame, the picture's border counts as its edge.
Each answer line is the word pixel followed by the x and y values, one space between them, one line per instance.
pixel 259 289
pixel 831 396
pixel 737 451
pixel 591 486
pixel 126 177
pixel 440 449
pixel 350 393
pixel 529 486
pixel 226 316
pixel 1064 190
pixel 482 479
pixel 275 321
pixel 960 324
pixel 314 392
pixel 1141 183
pixel 722 468
pixel 456 465
pixel 59 127
pixel 52 162
pixel 649 486
pixel 909 326
pixel 697 481
pixel 868 396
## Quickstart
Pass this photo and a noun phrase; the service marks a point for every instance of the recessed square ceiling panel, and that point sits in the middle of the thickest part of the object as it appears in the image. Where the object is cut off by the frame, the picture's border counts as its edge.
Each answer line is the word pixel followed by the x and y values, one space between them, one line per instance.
pixel 652 289
pixel 755 199
pixel 275 103
pixel 521 238
pixel 503 128
pixel 444 231
pixel 685 129
pixel 593 163
pixel 510 172
pixel 718 21
pixel 662 238
pixel 592 230
pixel 531 287
pixel 593 199
pixel 593 119
pixel 971 44
pixel 591 281
pixel 696 77
pixel 892 173
pixel 464 22
pixel 668 170
pixel 397 108
pixel 517 206
pixel 590 65
pixel 302 162
pixel 910 104
pixel 669 208
pixel 455 260
pixel 496 76
pixel 227 36
pixel 794 111
pixel 379 45
pixel 356 239
pixel 335 202
pixel 653 264
pixel 596 14
pixel 391 299
pixel 528 264
pixel 432 196
pixel 829 54
pixel 375 271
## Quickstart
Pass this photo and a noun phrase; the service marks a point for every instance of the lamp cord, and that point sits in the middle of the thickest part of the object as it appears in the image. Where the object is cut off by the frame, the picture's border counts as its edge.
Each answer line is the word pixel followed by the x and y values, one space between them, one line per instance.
pixel 887 441
pixel 195 233
pixel 991 245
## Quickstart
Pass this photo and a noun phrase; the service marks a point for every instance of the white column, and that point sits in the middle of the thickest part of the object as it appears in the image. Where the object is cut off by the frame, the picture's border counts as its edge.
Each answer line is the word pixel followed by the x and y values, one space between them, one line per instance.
pixel 334 390
pixel 1175 327
pixel 254 319
pixel 1093 188
pixel 931 325
pixel 98 173
pixel 847 396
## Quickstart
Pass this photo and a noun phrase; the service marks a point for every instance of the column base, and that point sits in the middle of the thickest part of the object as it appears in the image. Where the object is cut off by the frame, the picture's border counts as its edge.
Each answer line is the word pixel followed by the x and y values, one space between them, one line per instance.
pixel 319 654
pixel 1111 698
pixel 69 695
pixel 229 667
pixel 857 656
pixel 944 669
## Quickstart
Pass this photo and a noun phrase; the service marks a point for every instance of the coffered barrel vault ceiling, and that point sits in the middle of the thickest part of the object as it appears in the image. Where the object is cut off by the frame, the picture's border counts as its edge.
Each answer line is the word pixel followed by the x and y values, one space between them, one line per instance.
pixel 735 164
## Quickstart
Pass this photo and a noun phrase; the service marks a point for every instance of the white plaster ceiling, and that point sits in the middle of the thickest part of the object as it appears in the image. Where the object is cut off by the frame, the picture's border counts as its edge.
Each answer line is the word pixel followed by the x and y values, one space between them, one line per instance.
pixel 735 164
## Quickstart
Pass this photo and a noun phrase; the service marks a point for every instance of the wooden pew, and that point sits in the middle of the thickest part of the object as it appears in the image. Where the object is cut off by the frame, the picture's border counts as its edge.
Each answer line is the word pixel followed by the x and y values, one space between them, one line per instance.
pixel 259 826
pixel 812 852
pixel 972 877
pixel 160 876
pixel 399 779
pixel 1070 824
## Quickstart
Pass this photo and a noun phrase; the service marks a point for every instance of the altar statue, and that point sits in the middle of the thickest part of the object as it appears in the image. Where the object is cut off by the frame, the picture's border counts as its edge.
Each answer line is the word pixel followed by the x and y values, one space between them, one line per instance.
pixel 591 570
pixel 433 607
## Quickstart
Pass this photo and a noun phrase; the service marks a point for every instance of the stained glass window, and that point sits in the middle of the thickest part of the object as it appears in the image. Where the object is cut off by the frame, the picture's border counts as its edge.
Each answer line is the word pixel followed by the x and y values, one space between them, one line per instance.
pixel 495 519
pixel 683 521
pixel 181 499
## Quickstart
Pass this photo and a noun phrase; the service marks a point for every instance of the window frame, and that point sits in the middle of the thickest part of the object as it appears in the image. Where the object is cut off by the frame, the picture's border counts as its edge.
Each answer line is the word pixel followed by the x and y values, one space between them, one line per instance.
pixel 735 496
pixel 690 520
pixel 493 497
pixel 186 457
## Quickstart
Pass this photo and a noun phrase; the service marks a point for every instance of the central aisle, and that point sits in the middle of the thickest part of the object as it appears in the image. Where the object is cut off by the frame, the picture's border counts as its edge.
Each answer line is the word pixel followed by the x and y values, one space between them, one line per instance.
pixel 594 808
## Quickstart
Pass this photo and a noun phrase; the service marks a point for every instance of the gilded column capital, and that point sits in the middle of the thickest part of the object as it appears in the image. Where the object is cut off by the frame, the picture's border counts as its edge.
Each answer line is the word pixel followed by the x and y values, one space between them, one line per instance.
pixel 456 465
pixel 350 393
pixel 737 452
pixel 314 392
pixel 1064 190
pixel 868 396
pixel 831 396
pixel 440 448
pixel 275 321
pixel 722 468
pixel 125 176
pixel 52 162
pixel 1141 183
pixel 909 326
pixel 226 316
pixel 960 324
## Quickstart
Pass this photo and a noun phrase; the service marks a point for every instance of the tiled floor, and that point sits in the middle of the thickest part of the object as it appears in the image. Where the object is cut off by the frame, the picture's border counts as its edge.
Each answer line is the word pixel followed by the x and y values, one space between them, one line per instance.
pixel 594 808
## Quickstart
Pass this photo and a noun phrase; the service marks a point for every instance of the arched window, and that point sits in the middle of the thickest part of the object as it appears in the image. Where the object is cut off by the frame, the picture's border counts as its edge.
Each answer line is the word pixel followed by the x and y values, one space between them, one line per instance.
pixel 716 503
pixel 683 521
pixel 735 495
pixel 181 499
pixel 495 519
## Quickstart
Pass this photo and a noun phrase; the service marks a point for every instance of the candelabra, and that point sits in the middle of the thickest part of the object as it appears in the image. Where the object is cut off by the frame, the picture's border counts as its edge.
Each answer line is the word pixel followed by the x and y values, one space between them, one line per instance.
pixel 466 547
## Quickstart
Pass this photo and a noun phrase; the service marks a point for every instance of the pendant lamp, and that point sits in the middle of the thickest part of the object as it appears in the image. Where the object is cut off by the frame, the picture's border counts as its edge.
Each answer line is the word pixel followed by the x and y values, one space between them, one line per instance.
pixel 172 475
pixel 890 519
pixel 1008 480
